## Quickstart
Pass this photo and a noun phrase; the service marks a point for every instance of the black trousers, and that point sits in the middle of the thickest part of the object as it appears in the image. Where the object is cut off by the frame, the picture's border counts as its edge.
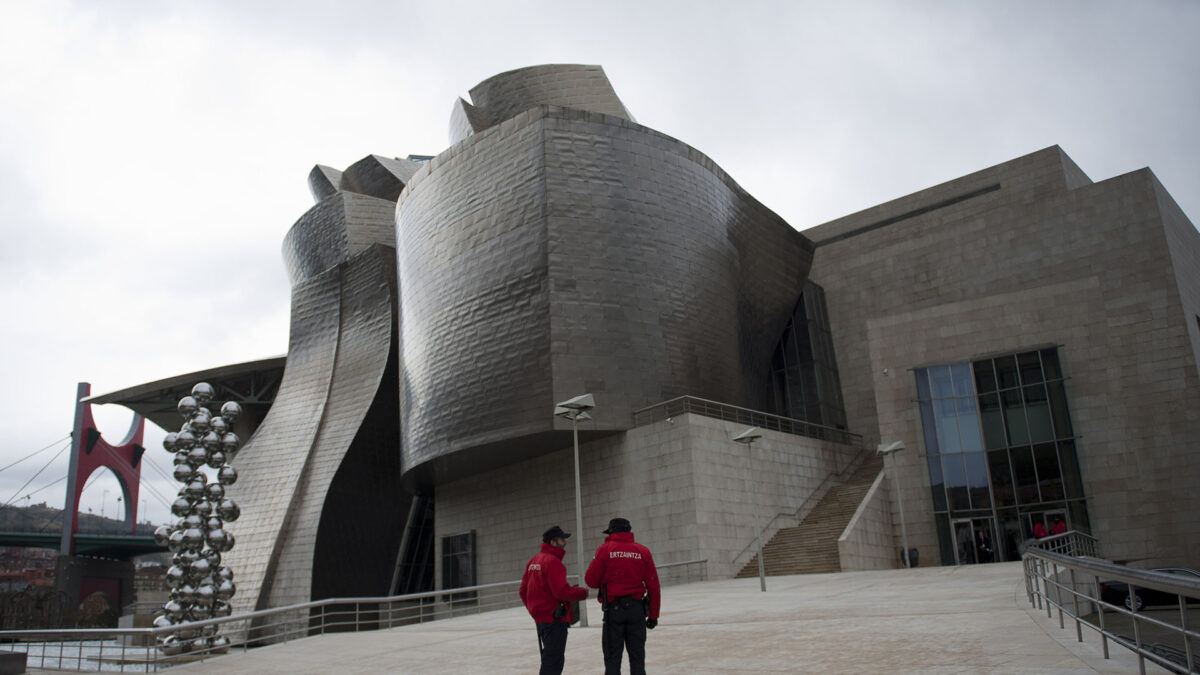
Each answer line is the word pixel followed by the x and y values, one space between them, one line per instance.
pixel 625 628
pixel 553 639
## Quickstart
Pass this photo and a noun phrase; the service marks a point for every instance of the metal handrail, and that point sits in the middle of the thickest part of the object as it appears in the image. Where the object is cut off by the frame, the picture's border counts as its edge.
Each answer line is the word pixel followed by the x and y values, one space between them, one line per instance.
pixel 1074 586
pixel 1072 542
pixel 828 483
pixel 89 648
pixel 733 413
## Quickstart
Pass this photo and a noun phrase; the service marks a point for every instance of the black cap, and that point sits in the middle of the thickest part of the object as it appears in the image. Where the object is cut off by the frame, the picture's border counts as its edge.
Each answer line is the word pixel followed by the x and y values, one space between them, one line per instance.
pixel 555 532
pixel 618 525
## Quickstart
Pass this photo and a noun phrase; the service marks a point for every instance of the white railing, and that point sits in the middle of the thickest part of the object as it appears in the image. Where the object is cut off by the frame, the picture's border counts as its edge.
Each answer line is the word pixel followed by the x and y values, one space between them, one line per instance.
pixel 134 649
pixel 1075 586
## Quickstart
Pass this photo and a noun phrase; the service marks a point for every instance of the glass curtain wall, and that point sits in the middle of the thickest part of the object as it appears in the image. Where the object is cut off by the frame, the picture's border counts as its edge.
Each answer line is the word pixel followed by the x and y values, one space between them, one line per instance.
pixel 1001 454
pixel 804 370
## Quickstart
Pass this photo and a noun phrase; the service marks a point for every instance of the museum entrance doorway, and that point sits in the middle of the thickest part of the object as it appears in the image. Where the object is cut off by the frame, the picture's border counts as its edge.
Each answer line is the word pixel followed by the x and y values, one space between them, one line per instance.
pixel 975 540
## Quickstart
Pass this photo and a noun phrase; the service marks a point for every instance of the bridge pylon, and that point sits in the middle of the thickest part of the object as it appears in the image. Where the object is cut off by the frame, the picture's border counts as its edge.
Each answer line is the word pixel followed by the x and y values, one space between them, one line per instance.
pixel 89 453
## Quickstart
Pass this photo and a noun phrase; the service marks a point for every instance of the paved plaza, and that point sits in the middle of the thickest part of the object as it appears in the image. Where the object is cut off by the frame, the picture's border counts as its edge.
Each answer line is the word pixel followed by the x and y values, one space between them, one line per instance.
pixel 969 619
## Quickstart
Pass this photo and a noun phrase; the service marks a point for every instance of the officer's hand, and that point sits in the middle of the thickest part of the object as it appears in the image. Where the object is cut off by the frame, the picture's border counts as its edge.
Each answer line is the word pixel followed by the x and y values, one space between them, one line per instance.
pixel 651 623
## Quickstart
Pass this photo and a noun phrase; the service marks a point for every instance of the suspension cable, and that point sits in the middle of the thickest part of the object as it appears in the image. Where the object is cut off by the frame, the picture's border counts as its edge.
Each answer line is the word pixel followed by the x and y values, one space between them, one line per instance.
pixel 36 452
pixel 39 472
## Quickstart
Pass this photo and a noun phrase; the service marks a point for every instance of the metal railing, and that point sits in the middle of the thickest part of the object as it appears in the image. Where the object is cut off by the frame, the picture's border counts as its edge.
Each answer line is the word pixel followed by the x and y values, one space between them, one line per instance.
pixel 732 413
pixel 135 650
pixel 1075 586
pixel 1072 543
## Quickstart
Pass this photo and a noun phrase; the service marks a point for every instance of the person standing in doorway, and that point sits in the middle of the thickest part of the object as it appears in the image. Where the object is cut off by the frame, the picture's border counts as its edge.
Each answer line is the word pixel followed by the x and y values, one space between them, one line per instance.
pixel 623 571
pixel 550 600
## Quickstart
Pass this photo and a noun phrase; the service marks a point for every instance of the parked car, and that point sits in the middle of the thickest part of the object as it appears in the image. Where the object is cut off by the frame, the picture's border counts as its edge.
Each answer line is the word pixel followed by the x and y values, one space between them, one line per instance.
pixel 1117 592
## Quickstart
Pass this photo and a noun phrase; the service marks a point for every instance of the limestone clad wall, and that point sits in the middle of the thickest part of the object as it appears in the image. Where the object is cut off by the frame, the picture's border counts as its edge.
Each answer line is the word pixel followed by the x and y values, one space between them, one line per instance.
pixel 866 543
pixel 1033 256
pixel 684 485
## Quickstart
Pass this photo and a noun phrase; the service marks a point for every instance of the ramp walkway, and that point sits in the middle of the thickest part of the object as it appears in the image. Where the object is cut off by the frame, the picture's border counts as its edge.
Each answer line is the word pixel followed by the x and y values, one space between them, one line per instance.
pixel 928 620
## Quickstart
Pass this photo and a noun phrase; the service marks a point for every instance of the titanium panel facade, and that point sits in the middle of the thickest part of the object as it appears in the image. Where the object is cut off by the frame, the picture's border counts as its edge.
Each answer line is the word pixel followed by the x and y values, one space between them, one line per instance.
pixel 565 251
pixel 321 475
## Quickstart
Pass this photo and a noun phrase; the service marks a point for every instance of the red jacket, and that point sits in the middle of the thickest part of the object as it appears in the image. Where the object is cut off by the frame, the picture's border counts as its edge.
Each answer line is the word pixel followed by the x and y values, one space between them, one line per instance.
pixel 624 567
pixel 544 586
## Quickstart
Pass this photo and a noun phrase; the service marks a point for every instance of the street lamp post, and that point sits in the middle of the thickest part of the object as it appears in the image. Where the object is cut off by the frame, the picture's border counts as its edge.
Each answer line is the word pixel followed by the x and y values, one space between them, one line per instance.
pixel 575 409
pixel 747 438
pixel 884 450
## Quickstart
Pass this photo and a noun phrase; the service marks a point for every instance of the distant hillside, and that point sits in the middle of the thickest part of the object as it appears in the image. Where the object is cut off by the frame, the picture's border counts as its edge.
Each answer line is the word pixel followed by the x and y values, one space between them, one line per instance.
pixel 44 518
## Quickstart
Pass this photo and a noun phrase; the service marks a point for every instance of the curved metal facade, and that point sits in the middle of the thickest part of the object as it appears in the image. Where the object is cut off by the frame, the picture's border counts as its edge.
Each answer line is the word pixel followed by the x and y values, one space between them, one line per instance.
pixel 564 251
pixel 327 450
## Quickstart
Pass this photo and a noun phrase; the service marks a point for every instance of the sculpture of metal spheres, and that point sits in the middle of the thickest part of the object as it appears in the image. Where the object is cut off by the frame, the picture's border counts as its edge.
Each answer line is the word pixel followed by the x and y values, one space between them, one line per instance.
pixel 201 586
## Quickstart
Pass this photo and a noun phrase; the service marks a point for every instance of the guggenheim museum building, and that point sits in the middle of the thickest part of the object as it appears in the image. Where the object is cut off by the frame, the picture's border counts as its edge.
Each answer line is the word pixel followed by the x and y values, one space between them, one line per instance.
pixel 1029 335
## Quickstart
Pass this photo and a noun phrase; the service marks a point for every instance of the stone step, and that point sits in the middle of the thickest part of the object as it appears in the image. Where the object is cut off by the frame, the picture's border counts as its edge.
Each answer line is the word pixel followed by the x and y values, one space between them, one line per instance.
pixel 811 546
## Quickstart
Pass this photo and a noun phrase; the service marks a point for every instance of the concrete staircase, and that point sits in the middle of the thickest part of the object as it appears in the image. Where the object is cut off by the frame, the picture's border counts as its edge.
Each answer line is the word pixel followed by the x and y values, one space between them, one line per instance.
pixel 811 546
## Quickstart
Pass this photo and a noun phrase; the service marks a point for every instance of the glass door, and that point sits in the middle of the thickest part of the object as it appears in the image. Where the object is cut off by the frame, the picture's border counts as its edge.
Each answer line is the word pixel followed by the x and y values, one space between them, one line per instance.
pixel 974 541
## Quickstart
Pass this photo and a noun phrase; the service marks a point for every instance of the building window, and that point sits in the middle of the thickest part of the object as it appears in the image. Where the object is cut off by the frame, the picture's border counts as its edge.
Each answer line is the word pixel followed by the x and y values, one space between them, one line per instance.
pixel 1001 454
pixel 804 373
pixel 458 564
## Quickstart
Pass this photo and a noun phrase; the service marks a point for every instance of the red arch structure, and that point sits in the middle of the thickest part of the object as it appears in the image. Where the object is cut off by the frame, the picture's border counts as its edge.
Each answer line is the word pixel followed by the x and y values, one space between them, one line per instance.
pixel 89 453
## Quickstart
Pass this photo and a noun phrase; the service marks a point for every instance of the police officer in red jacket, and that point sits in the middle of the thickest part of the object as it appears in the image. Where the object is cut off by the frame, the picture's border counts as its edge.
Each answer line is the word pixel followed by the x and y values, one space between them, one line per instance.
pixel 624 572
pixel 550 599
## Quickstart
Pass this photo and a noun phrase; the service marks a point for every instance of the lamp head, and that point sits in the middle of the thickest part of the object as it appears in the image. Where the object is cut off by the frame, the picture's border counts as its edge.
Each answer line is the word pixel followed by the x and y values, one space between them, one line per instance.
pixel 889 448
pixel 582 402
pixel 748 436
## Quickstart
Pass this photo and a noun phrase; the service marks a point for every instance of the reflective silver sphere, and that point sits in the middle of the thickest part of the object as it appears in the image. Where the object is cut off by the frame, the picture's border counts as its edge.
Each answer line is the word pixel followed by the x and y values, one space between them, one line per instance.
pixel 205 594
pixel 216 459
pixel 183 472
pixel 224 573
pixel 184 440
pixel 195 486
pixel 180 458
pixel 227 475
pixel 197 456
pixel 200 420
pixel 218 540
pixel 201 568
pixel 172 609
pixel 181 507
pixel 226 590
pixel 161 535
pixel 220 643
pixel 192 521
pixel 228 510
pixel 187 406
pixel 215 492
pixel 219 425
pixel 230 443
pixel 170 645
pixel 231 411
pixel 214 560
pixel 202 508
pixel 175 541
pixel 169 441
pixel 193 539
pixel 175 575
pixel 211 441
pixel 161 621
pixel 203 392
pixel 214 523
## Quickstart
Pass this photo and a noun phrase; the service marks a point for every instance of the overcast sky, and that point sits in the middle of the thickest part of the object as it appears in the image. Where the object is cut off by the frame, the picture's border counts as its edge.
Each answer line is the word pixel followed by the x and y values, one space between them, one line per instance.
pixel 154 154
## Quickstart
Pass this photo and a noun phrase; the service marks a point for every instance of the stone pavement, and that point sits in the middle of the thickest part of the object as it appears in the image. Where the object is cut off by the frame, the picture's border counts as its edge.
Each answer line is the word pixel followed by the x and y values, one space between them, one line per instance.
pixel 971 619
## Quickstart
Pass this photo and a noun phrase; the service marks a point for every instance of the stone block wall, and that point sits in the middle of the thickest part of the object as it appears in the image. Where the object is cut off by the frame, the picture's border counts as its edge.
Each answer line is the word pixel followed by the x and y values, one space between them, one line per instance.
pixel 684 484
pixel 1046 258
pixel 866 544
